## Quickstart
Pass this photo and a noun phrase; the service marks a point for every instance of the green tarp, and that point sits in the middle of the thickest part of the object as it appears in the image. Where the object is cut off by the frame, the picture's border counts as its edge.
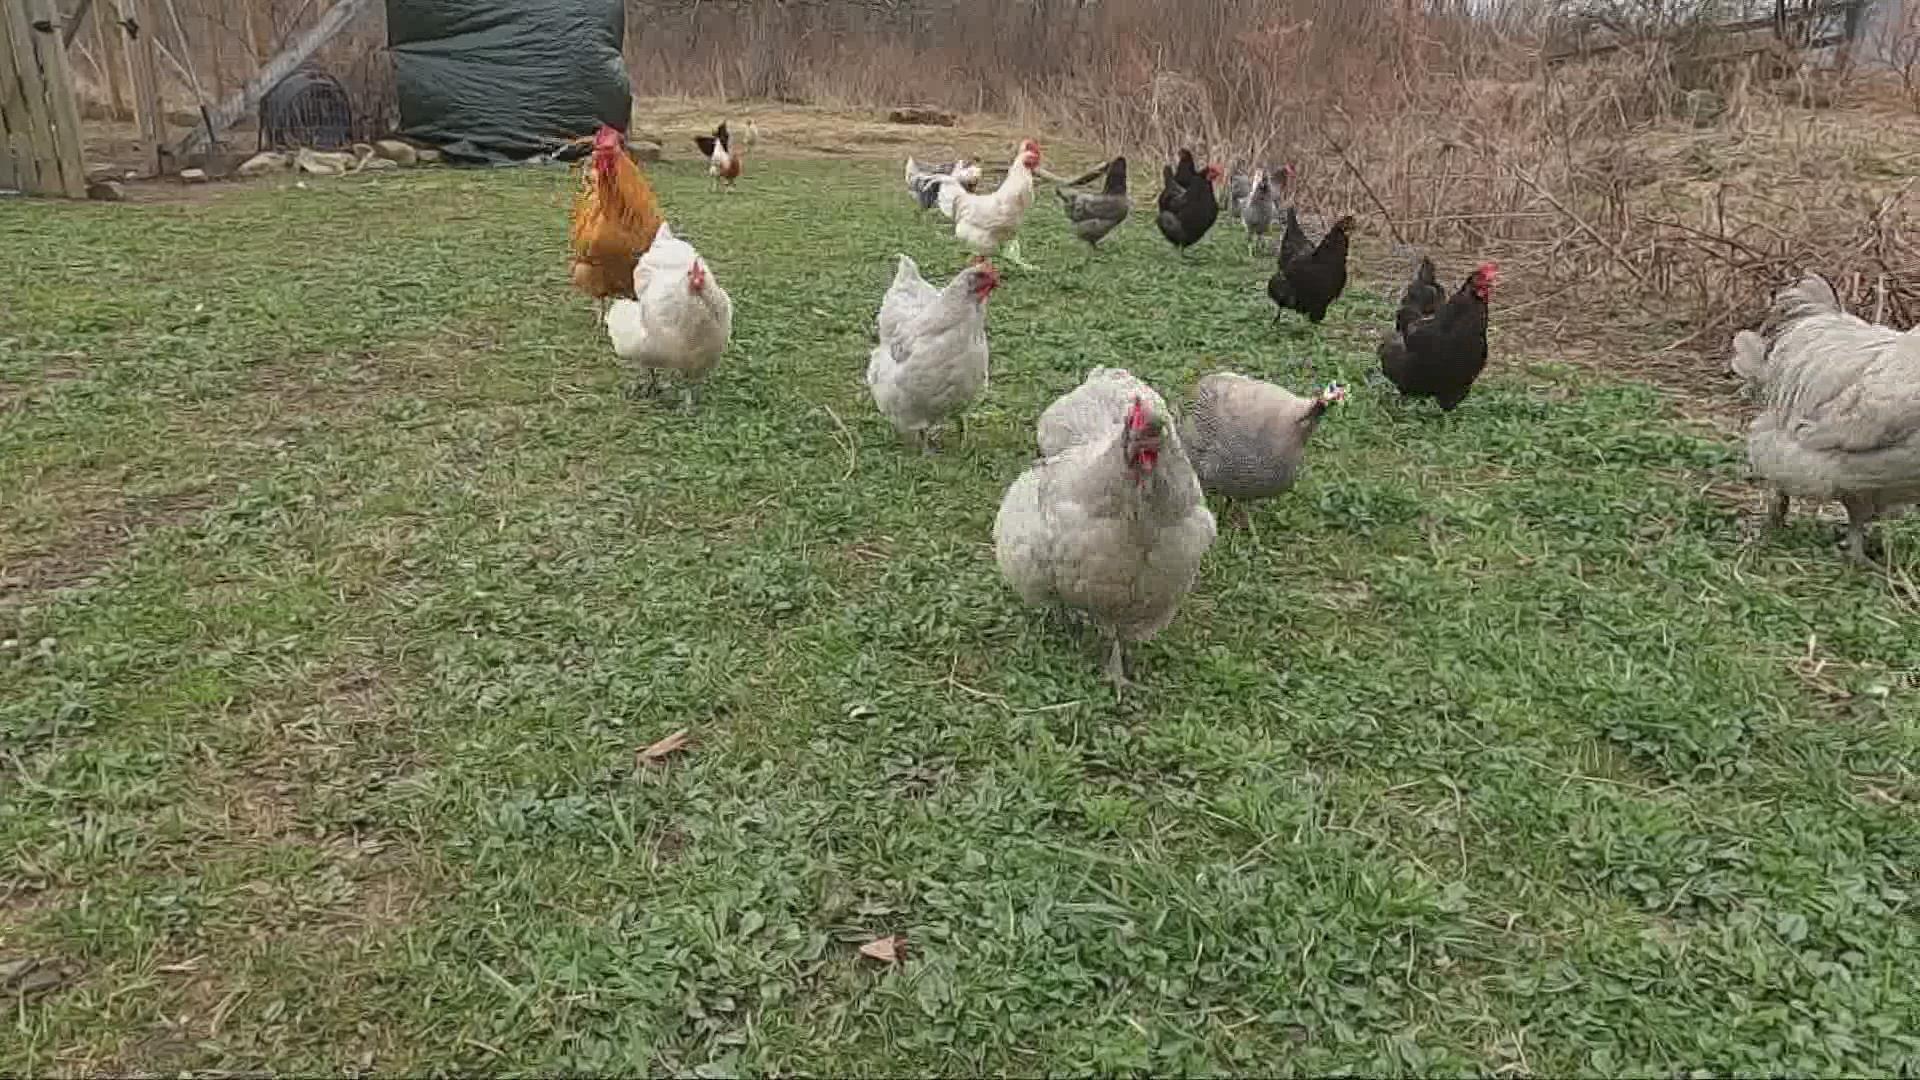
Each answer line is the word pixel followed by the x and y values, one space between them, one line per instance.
pixel 503 80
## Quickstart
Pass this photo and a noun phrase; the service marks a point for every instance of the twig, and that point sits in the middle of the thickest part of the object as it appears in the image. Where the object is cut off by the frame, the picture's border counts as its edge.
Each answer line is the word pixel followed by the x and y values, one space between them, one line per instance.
pixel 1386 214
pixel 853 460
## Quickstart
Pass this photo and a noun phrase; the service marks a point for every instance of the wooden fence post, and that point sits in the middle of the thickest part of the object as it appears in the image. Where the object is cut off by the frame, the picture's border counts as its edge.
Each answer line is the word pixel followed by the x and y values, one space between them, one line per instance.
pixel 38 122
pixel 137 23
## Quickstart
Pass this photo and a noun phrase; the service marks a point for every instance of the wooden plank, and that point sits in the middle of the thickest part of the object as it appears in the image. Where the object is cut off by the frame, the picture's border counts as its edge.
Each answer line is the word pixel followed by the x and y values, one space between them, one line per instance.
pixel 244 101
pixel 12 160
pixel 74 22
pixel 30 100
pixel 137 22
pixel 70 161
pixel 112 58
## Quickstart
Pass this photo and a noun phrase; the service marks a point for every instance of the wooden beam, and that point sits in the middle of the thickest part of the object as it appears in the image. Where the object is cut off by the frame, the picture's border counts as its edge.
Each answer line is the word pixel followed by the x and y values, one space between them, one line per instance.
pixel 27 107
pixel 112 58
pixel 245 100
pixel 74 22
pixel 16 154
pixel 57 84
pixel 137 22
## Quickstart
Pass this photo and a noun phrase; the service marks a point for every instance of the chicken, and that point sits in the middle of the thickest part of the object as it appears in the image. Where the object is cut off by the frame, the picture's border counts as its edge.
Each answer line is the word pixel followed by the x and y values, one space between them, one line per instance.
pixel 1840 408
pixel 1246 438
pixel 1257 206
pixel 923 181
pixel 681 320
pixel 984 222
pixel 931 362
pixel 1440 356
pixel 1309 279
pixel 723 161
pixel 614 220
pixel 1423 296
pixel 1176 180
pixel 1111 522
pixel 1093 215
pixel 1189 209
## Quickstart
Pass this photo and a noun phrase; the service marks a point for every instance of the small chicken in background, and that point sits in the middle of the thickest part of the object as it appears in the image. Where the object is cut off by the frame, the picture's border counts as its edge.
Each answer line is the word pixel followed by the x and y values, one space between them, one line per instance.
pixel 931 362
pixel 1092 215
pixel 1111 522
pixel 1840 408
pixel 1247 438
pixel 1422 297
pixel 923 181
pixel 723 162
pixel 1258 207
pixel 1188 208
pixel 986 222
pixel 1309 279
pixel 681 320
pixel 1440 355
pixel 615 218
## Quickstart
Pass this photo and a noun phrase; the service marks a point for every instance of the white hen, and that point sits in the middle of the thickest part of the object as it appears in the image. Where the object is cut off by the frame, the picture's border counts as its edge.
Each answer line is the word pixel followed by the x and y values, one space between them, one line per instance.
pixel 931 362
pixel 984 222
pixel 1111 523
pixel 681 319
pixel 1840 408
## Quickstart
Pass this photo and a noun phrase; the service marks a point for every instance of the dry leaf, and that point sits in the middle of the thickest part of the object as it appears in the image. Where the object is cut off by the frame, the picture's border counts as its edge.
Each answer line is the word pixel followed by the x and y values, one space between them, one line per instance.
pixel 886 949
pixel 676 741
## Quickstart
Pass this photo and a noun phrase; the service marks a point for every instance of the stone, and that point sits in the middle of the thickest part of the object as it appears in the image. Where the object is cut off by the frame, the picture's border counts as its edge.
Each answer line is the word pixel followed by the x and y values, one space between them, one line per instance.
pixel 397 152
pixel 193 176
pixel 106 191
pixel 375 164
pixel 429 157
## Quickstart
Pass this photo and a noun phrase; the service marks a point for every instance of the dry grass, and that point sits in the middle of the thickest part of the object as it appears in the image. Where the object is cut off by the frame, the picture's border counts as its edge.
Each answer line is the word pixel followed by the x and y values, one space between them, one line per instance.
pixel 1661 190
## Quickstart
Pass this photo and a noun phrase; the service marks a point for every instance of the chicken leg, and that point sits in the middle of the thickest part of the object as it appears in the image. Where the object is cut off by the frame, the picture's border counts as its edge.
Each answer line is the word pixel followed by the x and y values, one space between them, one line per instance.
pixel 1859 516
pixel 1777 505
pixel 1116 668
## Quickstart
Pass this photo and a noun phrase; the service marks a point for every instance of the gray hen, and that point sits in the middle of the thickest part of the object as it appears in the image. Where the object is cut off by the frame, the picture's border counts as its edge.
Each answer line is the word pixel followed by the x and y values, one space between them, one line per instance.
pixel 1247 438
pixel 1260 207
pixel 1093 215
pixel 1840 408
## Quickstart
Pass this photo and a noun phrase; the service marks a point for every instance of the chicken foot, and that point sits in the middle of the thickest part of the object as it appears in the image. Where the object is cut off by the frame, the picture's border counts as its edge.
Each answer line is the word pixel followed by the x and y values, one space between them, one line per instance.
pixel 1116 668
pixel 1777 505
pixel 646 386
pixel 1859 517
pixel 1012 252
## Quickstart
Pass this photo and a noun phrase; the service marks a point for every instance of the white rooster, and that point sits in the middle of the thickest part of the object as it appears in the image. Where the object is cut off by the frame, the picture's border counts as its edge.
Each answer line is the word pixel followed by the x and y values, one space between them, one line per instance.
pixel 1840 408
pixel 681 319
pixel 1111 522
pixel 985 222
pixel 931 362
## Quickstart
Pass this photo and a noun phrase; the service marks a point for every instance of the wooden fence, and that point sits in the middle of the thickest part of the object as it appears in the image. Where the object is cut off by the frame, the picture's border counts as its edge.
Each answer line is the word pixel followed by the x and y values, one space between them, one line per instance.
pixel 39 125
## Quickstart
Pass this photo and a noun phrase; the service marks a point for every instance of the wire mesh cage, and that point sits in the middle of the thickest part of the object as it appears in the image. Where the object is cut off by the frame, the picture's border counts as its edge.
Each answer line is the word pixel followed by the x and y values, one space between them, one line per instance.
pixel 307 108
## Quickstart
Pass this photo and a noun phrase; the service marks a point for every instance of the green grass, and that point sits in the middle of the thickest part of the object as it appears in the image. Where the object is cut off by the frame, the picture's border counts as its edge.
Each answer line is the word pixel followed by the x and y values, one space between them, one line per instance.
pixel 343 585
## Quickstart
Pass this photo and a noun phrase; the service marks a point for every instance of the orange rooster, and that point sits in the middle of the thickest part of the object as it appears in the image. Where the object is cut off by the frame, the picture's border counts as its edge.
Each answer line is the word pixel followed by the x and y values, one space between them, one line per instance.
pixel 614 219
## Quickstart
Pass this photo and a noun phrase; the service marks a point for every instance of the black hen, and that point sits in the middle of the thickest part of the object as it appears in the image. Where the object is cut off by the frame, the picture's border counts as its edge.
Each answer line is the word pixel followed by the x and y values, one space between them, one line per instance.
pixel 1188 210
pixel 1309 279
pixel 1441 355
pixel 1422 298
pixel 1175 180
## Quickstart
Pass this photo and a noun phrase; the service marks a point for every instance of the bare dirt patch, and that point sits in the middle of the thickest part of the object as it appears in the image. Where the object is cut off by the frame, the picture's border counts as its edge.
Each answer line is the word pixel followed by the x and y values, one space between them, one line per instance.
pixel 108 524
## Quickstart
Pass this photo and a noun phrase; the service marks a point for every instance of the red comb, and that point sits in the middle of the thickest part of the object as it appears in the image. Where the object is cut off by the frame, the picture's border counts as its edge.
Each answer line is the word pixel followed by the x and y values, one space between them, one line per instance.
pixel 1137 415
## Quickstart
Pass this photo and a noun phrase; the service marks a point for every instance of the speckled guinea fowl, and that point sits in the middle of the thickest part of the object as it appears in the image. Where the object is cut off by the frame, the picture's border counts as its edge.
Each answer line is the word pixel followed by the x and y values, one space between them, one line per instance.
pixel 1247 438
